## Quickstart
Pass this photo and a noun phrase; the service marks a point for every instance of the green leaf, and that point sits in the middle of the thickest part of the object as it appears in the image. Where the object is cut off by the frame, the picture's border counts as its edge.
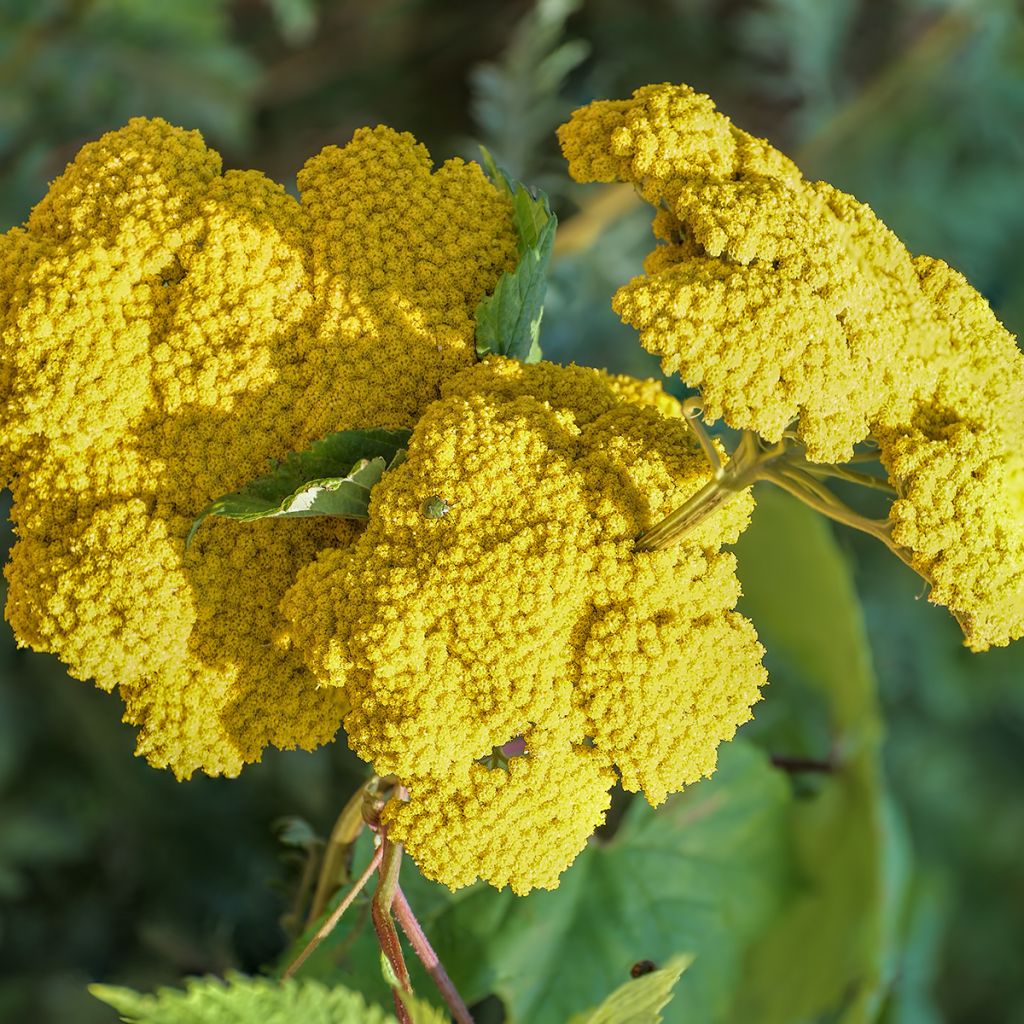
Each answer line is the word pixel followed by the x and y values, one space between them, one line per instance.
pixel 825 953
pixel 701 875
pixel 332 477
pixel 639 1000
pixel 508 320
pixel 242 1000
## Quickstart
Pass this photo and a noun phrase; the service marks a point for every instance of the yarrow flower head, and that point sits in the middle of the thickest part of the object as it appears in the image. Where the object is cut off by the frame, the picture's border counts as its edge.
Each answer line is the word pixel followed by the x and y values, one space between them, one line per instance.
pixel 782 300
pixel 799 315
pixel 526 611
pixel 958 468
pixel 491 633
pixel 167 330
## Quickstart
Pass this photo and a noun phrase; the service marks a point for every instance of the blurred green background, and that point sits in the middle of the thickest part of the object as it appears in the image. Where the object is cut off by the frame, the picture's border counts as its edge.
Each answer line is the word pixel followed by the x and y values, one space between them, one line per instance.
pixel 110 870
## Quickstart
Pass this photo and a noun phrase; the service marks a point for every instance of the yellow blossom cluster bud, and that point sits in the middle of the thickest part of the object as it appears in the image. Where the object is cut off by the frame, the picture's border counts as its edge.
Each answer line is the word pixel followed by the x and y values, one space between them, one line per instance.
pixel 958 468
pixel 167 330
pixel 497 592
pixel 780 299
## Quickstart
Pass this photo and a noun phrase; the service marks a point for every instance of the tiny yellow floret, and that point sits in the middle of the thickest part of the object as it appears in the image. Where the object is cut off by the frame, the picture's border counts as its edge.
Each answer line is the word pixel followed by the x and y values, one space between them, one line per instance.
pixel 958 468
pixel 797 313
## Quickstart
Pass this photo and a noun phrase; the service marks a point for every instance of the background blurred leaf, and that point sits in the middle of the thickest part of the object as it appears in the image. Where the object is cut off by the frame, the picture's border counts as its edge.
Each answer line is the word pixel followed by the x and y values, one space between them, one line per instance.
pixel 72 69
pixel 517 101
pixel 824 954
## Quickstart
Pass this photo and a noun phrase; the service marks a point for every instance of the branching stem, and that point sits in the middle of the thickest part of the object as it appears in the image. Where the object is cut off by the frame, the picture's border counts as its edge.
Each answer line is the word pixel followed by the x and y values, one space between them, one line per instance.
pixel 387 934
pixel 783 464
pixel 746 467
pixel 331 923
pixel 851 476
pixel 692 410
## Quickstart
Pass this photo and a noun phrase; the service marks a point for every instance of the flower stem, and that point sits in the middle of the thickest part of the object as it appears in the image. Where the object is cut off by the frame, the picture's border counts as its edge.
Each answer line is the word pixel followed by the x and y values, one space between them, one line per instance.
pixel 387 934
pixel 421 944
pixel 744 468
pixel 329 925
pixel 783 464
pixel 692 410
pixel 337 853
pixel 851 476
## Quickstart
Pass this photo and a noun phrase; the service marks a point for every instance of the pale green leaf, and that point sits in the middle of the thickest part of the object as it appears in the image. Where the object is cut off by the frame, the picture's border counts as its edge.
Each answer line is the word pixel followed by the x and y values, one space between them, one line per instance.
pixel 508 320
pixel 823 956
pixel 332 477
pixel 242 1000
pixel 639 1000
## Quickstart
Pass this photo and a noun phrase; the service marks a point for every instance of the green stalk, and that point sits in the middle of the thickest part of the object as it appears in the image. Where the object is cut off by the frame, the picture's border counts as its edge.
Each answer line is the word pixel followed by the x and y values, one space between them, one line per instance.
pixel 338 854
pixel 331 923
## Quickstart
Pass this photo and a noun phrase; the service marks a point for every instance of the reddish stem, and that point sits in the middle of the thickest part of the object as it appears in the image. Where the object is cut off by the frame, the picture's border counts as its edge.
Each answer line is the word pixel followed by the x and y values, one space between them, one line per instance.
pixel 387 934
pixel 421 944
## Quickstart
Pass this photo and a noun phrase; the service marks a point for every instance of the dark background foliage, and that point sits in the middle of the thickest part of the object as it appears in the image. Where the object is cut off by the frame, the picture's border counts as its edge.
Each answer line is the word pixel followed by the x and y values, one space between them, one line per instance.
pixel 112 871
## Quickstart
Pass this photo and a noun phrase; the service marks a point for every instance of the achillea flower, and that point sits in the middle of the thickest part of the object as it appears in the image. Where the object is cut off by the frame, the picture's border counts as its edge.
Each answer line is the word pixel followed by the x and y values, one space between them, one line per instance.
pixel 525 610
pixel 165 331
pixel 519 826
pixel 778 298
pixel 797 313
pixel 958 468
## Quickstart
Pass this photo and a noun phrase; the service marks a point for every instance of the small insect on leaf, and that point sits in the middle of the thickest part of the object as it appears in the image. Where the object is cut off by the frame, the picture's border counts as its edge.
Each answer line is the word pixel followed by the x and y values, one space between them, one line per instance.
pixel 642 967
pixel 435 507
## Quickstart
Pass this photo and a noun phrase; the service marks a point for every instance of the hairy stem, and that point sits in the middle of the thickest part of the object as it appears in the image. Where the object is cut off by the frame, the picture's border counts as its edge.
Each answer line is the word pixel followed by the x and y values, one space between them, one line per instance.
pixel 421 944
pixel 329 925
pixel 387 934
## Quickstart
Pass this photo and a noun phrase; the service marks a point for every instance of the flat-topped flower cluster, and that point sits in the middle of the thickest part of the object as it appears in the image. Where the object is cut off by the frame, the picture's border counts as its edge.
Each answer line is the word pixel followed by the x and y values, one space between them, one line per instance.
pixel 167 332
pixel 793 308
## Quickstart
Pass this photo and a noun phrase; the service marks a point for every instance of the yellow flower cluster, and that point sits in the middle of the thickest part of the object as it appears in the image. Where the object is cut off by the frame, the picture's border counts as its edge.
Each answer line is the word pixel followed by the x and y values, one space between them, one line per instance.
pixel 958 467
pixel 777 297
pixel 793 308
pixel 165 331
pixel 525 610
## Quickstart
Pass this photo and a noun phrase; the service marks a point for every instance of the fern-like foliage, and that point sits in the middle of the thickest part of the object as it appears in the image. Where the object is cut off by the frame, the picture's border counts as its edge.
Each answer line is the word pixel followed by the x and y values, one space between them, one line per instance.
pixel 242 1000
pixel 516 100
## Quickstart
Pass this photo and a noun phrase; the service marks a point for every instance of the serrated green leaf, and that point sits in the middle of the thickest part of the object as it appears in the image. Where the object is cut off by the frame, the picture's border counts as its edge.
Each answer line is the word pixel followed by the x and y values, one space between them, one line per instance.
pixel 242 1000
pixel 332 477
pixel 508 320
pixel 639 1000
